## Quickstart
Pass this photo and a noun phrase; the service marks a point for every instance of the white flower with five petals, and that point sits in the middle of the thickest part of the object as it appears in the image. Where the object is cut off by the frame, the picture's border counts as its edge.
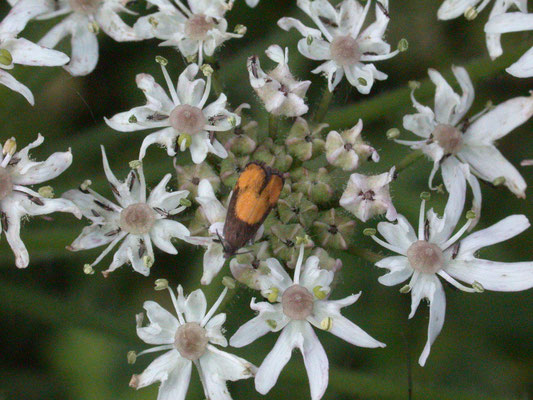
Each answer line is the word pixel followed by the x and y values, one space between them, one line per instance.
pixel 448 136
pixel 14 50
pixel 84 20
pixel 341 42
pixel 17 171
pixel 434 252
pixel 280 92
pixel 138 220
pixel 189 338
pixel 187 122
pixel 367 196
pixel 196 30
pixel 294 307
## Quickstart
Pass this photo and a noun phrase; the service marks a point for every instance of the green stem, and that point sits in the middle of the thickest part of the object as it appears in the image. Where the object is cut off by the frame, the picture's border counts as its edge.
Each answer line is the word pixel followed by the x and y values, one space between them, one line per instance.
pixel 409 159
pixel 323 105
pixel 273 126
pixel 365 254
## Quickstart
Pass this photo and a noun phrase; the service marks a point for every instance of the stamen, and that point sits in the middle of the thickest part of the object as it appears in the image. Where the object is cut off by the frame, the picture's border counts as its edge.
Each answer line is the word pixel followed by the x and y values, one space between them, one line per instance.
pixel 387 245
pixel 171 88
pixel 459 233
pixel 421 220
pixel 175 303
pixel 455 283
pixel 298 265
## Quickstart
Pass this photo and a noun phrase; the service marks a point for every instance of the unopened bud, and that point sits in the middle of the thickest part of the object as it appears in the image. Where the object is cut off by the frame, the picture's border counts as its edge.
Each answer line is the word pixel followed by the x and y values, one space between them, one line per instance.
pixel 5 57
pixel 161 60
pixel 132 357
pixel 10 147
pixel 403 44
pixel 229 282
pixel 135 164
pixel 369 231
pixel 46 191
pixel 425 196
pixel 88 269
pixel 471 13
pixel 393 133
pixel 161 284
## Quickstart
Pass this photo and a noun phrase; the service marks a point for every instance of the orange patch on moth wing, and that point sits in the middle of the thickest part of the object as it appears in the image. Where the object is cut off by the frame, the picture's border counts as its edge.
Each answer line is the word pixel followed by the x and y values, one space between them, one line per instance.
pixel 252 206
pixel 252 178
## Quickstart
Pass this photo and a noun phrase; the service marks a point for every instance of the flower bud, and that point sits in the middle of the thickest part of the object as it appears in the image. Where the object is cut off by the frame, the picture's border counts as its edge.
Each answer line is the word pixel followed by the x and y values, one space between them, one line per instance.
pixel 295 208
pixel 283 242
pixel 273 155
pixel 325 261
pixel 189 177
pixel 241 140
pixel 317 186
pixel 334 230
pixel 231 167
pixel 303 143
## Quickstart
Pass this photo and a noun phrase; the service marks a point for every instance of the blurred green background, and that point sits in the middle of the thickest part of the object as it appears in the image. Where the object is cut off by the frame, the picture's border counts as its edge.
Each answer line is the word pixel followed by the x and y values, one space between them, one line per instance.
pixel 65 335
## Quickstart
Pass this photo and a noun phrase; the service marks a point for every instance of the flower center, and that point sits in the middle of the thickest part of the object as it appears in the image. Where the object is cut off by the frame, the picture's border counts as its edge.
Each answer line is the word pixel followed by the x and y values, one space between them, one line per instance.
pixel 198 25
pixel 191 341
pixel 297 302
pixel 368 195
pixel 84 6
pixel 137 219
pixel 6 183
pixel 449 138
pixel 345 50
pixel 425 257
pixel 187 119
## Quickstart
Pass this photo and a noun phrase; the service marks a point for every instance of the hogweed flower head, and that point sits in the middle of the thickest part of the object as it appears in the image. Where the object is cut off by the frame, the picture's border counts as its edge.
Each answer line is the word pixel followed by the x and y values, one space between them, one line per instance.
pixel 295 305
pixel 17 200
pixel 189 337
pixel 186 120
pixel 137 220
pixel 341 43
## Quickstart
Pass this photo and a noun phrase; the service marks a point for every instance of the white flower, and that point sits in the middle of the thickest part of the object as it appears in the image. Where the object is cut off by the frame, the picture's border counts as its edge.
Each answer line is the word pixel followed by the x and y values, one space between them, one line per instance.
pixel 295 306
pixel 434 251
pixel 189 338
pixel 448 136
pixel 196 31
pixel 280 92
pixel 514 22
pixel 139 220
pixel 17 171
pixel 215 213
pixel 85 19
pixel 345 149
pixel 495 26
pixel 368 196
pixel 341 44
pixel 15 50
pixel 187 122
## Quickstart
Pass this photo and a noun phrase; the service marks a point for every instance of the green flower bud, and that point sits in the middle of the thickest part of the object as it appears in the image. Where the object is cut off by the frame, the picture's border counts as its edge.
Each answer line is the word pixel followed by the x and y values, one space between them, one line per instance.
pixel 283 242
pixel 247 267
pixel 199 225
pixel 317 186
pixel 303 143
pixel 230 169
pixel 295 208
pixel 334 230
pixel 273 155
pixel 325 261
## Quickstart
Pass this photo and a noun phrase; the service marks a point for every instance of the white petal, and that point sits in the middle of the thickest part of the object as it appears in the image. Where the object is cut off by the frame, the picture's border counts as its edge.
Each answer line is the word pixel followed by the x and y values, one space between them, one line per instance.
pixel 25 52
pixel 215 331
pixel 22 258
pixel 288 23
pixel 22 12
pixel 165 137
pixel 166 201
pixel 163 325
pixel 155 94
pixel 195 306
pixel 213 209
pixel 509 22
pixel 84 55
pixel 214 260
pixel 400 234
pixel 488 163
pixel 164 230
pixel 277 277
pixel 315 360
pixel 199 147
pixel 499 121
pixel 7 80
pixel 93 236
pixel 523 68
pixel 32 173
pixel 57 33
pixel 268 373
pixel 113 25
pixel 454 8
pixel 399 269
pixel 249 332
pixel 467 97
pixel 437 311
pixel 497 276
pixel 501 231
pixel 421 124
pixel 122 122
pixel 190 90
pixel 312 275
pixel 317 50
pixel 446 100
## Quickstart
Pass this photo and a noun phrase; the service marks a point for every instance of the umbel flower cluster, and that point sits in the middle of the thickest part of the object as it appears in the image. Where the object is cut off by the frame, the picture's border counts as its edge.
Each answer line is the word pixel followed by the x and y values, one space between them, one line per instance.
pixel 266 202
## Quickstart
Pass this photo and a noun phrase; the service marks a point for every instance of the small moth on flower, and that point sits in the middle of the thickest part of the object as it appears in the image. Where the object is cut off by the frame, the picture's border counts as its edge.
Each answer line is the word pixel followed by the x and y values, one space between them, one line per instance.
pixel 255 194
